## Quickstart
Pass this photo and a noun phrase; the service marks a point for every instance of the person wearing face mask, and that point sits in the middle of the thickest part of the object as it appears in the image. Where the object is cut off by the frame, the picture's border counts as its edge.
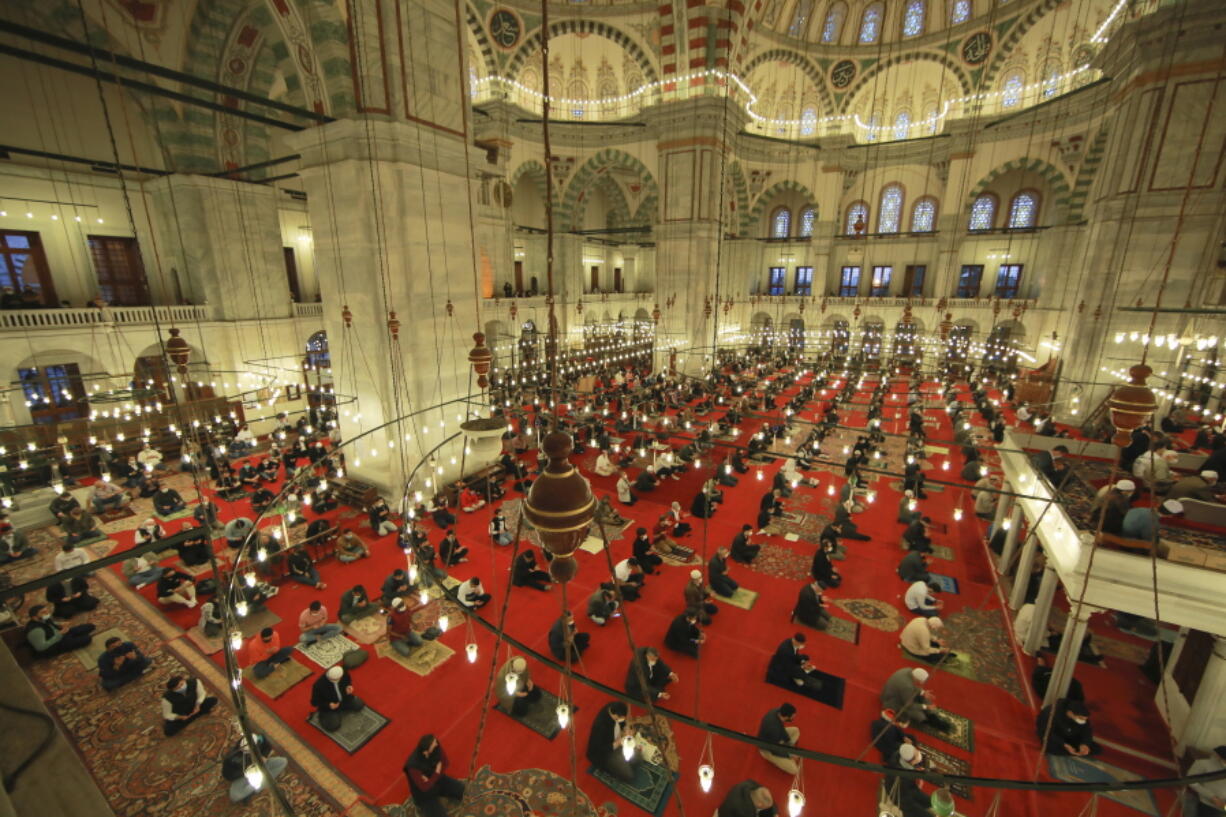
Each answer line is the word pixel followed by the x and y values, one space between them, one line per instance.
pixel 332 696
pixel 604 743
pixel 149 531
pixel 428 782
pixel 1069 733
pixel 167 501
pixel 185 700
pixel 48 638
pixel 655 675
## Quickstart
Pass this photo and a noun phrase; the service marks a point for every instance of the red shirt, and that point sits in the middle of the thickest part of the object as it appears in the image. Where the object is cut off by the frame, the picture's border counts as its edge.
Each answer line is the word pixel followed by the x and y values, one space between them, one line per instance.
pixel 260 650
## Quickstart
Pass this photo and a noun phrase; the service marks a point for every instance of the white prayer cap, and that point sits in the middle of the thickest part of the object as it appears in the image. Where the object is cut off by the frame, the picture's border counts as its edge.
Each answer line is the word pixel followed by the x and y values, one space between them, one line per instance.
pixel 398 603
pixel 335 673
pixel 518 664
pixel 919 674
pixel 909 754
pixel 1125 485
pixel 1209 475
pixel 908 493
pixel 935 623
pixel 1172 506
pixel 695 574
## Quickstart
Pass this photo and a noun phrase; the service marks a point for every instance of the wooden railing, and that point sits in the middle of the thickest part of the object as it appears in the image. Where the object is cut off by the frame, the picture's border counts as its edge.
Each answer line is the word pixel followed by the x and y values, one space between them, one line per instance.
pixel 95 316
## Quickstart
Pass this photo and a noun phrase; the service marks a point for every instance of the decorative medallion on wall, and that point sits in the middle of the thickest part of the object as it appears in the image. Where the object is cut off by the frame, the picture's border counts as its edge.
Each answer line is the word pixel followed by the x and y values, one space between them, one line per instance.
pixel 505 28
pixel 976 48
pixel 842 73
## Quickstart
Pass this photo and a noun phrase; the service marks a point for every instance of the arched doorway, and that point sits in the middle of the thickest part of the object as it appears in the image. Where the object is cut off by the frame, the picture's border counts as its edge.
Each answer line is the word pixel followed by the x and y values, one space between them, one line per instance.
pixel 317 371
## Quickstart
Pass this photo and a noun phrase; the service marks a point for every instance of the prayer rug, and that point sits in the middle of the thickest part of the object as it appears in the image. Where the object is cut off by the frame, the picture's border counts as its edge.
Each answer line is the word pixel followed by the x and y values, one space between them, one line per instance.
pixel 512 510
pixel 236 495
pixel 614 532
pixel 781 562
pixel 88 655
pixel 93 540
pixel 367 630
pixel 945 763
pixel 280 680
pixel 741 598
pixel 115 514
pixel 962 664
pixel 592 544
pixel 962 733
pixel 981 633
pixel 880 615
pixel 103 548
pixel 536 792
pixel 252 623
pixel 327 652
pixel 839 628
pixel 649 790
pixel 422 661
pixel 659 734
pixel 356 729
pixel 948 584
pixel 929 486
pixel 830 693
pixel 943 552
pixel 1089 770
pixel 207 645
pixel 802 524
pixel 186 512
pixel 680 557
pixel 542 718
pixel 449 582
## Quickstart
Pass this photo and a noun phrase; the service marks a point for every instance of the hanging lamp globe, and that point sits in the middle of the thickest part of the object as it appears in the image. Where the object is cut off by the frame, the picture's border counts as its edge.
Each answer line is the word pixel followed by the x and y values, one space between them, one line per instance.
pixel 178 350
pixel 561 506
pixel 1132 405
pixel 480 357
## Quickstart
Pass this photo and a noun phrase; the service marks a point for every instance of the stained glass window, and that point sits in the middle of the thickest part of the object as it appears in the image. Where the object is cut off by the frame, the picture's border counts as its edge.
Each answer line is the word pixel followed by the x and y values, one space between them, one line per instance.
pixel 781 223
pixel 808 122
pixel 913 19
pixel 870 24
pixel 807 217
pixel 834 23
pixel 803 9
pixel 960 12
pixel 902 125
pixel 924 216
pixel 1051 80
pixel 932 120
pixel 890 211
pixel 857 213
pixel 983 212
pixel 1023 210
pixel 1011 95
pixel 873 128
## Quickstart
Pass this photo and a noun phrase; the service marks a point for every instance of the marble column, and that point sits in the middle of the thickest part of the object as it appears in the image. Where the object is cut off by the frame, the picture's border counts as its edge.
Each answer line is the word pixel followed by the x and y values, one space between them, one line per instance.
pixel 1015 525
pixel 1042 611
pixel 1021 576
pixel 1202 729
pixel 1066 658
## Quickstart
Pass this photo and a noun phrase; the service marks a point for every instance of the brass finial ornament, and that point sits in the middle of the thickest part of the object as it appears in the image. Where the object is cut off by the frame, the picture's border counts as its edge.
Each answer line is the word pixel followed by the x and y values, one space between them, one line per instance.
pixel 561 506
pixel 1132 405
pixel 347 316
pixel 178 350
pixel 393 325
pixel 480 357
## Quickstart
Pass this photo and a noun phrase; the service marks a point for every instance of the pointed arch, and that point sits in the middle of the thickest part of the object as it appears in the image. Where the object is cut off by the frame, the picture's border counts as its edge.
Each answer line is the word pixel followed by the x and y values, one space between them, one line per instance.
pixel 599 164
pixel 1086 175
pixel 1057 192
pixel 866 79
pixel 532 44
pixel 767 196
pixel 619 208
pixel 810 70
pixel 740 192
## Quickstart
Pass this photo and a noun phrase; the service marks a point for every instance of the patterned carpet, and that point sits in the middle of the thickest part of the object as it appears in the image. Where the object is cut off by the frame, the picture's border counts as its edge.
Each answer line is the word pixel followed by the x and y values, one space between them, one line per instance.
pixel 806 526
pixel 523 793
pixel 981 633
pixel 880 615
pixel 944 762
pixel 781 562
pixel 119 738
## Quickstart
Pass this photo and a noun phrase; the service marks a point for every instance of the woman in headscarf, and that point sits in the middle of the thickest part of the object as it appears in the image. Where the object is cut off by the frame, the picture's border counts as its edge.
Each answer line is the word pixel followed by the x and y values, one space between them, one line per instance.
pixel 428 782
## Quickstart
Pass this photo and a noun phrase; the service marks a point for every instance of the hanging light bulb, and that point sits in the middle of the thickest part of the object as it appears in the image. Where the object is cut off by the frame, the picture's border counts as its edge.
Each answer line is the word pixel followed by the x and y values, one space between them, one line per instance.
pixel 796 802
pixel 512 681
pixel 563 712
pixel 249 578
pixel 255 778
pixel 471 651
pixel 627 747
pixel 236 639
pixel 424 596
pixel 957 514
pixel 241 609
pixel 412 574
pixel 706 776
pixel 442 623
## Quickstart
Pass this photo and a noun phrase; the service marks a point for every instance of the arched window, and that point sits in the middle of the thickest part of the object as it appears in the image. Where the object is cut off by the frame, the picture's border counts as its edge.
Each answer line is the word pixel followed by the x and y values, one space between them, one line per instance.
pixel 1051 79
pixel 959 12
pixel 803 9
pixel 834 23
pixel 1011 90
pixel 781 223
pixel 857 213
pixel 870 23
pixel 902 125
pixel 872 128
pixel 983 213
pixel 889 213
pixel 924 215
pixel 807 217
pixel 1024 210
pixel 808 122
pixel 932 120
pixel 913 18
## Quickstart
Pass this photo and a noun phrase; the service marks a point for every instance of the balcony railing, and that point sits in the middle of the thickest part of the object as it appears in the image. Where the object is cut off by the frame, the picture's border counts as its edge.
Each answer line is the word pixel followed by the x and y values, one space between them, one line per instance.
pixel 308 310
pixel 95 316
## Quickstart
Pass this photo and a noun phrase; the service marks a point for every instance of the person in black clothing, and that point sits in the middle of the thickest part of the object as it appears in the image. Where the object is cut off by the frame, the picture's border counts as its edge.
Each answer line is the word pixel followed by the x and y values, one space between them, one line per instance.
pixel 914 567
pixel 332 695
pixel 771 505
pixel 167 500
pixel 604 743
pixel 185 700
pixel 121 663
pixel 888 734
pixel 742 551
pixel 810 608
pixel 916 534
pixel 1051 464
pixel 261 500
pixel 68 598
pixel 196 549
pixel 646 480
pixel 428 782
pixel 822 570
pixel 684 635
pixel 248 476
pixel 565 637
pixel 1141 439
pixel 380 517
pixel 717 574
pixel 205 514
pixel 524 572
pixel 776 727
pixel 790 667
pixel 749 798
pixel 647 666
pixel 1040 679
pixel 395 586
pixel 738 462
pixel 1070 733
pixel 451 551
pixel 643 552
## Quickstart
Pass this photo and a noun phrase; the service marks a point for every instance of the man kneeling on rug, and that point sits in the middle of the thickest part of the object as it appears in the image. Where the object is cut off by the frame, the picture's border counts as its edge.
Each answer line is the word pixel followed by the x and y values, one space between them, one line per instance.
pixel 332 695
pixel 427 782
pixel 905 694
pixel 922 638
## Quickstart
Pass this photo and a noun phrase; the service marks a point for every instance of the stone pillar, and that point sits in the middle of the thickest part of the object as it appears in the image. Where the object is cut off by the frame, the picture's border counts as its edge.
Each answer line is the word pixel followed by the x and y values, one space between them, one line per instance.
pixel 1042 611
pixel 224 239
pixel 1202 730
pixel 1066 658
pixel 1021 576
pixel 1015 525
pixel 1004 504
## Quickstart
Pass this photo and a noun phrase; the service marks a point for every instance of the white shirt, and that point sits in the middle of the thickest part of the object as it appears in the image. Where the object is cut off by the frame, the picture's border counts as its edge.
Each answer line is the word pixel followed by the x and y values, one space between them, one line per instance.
pixel 1151 464
pixel 621 571
pixel 74 558
pixel 245 435
pixel 468 593
pixel 149 456
pixel 603 466
pixel 916 637
pixel 918 597
pixel 623 489
pixel 1023 414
